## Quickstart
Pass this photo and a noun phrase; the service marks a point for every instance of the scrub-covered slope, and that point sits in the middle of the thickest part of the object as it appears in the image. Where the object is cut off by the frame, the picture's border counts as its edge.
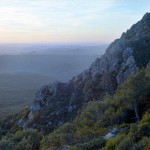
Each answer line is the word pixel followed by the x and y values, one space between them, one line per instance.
pixel 59 102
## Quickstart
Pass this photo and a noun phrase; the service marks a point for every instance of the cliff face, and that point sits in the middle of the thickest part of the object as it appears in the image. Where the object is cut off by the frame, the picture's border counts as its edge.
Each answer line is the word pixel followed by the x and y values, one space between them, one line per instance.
pixel 59 102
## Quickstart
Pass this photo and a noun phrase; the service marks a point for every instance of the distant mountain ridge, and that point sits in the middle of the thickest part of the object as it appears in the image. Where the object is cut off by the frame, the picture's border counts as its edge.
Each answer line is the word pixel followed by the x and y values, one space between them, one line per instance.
pixel 52 49
pixel 59 102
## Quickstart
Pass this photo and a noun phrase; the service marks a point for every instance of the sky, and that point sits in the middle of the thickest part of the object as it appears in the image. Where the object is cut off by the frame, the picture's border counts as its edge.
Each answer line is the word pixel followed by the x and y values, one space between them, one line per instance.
pixel 68 21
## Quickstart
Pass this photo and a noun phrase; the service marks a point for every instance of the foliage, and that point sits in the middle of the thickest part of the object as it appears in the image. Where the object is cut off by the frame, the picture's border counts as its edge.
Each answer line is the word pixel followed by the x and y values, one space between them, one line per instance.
pixel 145 142
pixel 6 145
pixel 125 144
pixel 144 125
pixel 92 145
pixel 128 109
pixel 113 143
pixel 62 136
pixel 22 140
pixel 141 51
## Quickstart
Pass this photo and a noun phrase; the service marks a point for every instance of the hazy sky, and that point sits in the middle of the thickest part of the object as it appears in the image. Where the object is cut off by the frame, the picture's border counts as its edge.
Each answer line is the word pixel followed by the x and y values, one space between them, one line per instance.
pixel 68 21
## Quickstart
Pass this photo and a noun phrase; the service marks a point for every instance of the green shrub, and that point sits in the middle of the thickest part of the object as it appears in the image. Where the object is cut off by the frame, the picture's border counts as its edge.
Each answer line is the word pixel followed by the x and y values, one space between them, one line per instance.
pixel 92 113
pixel 52 140
pixel 144 125
pixel 137 146
pixel 6 145
pixel 69 128
pixel 92 145
pixel 25 144
pixel 133 132
pixel 125 144
pixel 145 142
pixel 24 139
pixel 113 143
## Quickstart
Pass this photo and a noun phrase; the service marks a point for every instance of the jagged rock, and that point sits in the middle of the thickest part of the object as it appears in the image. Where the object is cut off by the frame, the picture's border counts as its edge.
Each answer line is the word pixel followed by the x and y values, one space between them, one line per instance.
pixel 54 102
pixel 127 53
pixel 30 116
pixel 109 136
pixel 21 123
pixel 35 107
pixel 113 133
pixel 128 69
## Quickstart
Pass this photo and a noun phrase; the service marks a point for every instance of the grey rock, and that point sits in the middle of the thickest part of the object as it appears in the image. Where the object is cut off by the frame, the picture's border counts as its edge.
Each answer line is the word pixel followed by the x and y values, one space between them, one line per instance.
pixel 113 133
pixel 35 107
pixel 53 87
pixel 127 53
pixel 70 109
pixel 39 96
pixel 109 136
pixel 30 116
pixel 49 124
pixel 60 123
pixel 21 123
pixel 128 69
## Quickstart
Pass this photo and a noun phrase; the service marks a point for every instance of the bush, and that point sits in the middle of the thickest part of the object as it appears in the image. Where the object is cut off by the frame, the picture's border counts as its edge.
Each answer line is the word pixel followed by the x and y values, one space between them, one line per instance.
pixel 25 144
pixel 6 145
pixel 61 136
pixel 92 145
pixel 144 125
pixel 69 128
pixel 145 142
pixel 23 140
pixel 137 146
pixel 52 140
pixel 125 144
pixel 113 143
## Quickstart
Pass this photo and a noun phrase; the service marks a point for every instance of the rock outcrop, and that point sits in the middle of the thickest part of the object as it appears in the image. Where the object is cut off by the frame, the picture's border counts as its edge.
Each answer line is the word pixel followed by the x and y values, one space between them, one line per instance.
pixel 59 102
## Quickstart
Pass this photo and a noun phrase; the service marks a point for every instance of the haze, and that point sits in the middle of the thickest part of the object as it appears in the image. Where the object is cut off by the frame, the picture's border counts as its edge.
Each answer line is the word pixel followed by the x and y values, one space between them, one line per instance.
pixel 67 21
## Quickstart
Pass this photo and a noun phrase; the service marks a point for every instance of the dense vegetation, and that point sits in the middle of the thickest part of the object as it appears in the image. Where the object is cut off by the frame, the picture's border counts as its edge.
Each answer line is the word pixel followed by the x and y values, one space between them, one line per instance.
pixel 141 51
pixel 128 111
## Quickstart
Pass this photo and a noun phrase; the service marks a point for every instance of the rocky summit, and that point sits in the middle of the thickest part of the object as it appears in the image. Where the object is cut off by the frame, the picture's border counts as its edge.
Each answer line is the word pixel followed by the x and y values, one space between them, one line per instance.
pixel 58 102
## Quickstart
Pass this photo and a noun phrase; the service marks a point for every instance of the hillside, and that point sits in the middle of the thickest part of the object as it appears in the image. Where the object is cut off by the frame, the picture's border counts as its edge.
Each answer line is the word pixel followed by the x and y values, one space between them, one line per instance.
pixel 105 107
pixel 59 102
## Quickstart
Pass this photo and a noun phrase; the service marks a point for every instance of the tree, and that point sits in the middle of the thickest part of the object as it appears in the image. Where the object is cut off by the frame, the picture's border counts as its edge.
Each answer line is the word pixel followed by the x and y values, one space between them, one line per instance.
pixel 136 88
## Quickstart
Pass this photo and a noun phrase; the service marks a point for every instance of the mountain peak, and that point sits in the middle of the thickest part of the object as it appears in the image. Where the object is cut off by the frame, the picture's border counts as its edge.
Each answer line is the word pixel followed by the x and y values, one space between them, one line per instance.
pixel 139 30
pixel 146 16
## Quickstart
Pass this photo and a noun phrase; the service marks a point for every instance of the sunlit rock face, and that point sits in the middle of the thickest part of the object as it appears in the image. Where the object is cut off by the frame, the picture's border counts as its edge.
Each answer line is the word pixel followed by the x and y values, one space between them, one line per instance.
pixel 59 102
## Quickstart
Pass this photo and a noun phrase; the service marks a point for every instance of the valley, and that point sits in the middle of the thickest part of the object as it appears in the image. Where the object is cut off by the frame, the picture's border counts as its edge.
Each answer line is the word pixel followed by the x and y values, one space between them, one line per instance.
pixel 22 75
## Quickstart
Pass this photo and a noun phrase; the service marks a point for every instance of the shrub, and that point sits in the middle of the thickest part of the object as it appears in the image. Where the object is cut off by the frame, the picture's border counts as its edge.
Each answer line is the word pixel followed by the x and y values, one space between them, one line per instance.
pixel 133 133
pixel 145 142
pixel 67 128
pixel 125 144
pixel 52 140
pixel 137 146
pixel 92 145
pixel 6 145
pixel 24 140
pixel 113 143
pixel 144 125
pixel 25 144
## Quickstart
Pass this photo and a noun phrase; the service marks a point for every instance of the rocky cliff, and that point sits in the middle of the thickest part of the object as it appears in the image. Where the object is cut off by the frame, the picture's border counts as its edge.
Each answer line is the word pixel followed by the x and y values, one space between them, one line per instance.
pixel 59 102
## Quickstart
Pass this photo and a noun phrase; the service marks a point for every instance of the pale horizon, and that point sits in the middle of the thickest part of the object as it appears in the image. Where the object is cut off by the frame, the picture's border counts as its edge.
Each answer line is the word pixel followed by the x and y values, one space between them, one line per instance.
pixel 68 21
